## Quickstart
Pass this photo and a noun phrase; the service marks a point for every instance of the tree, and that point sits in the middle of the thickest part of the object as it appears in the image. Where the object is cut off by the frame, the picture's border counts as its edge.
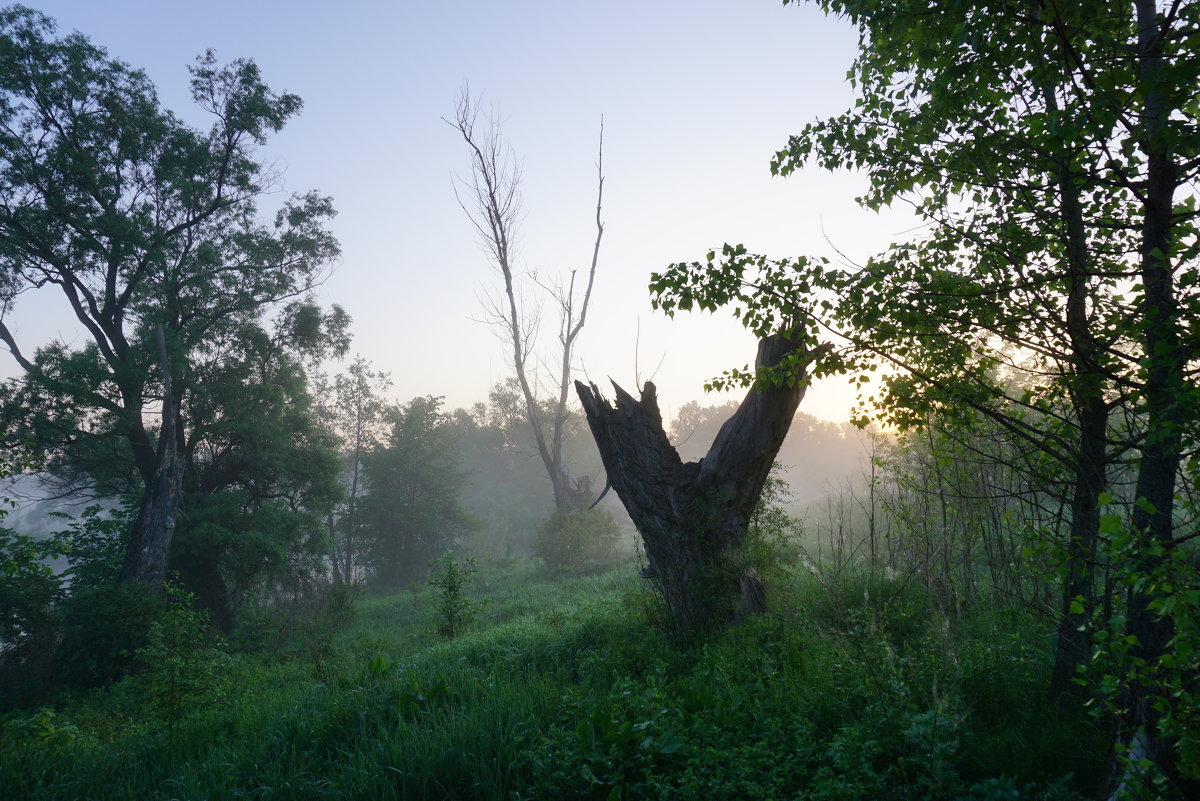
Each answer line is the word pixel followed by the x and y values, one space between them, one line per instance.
pixel 263 471
pixel 693 516
pixel 356 411
pixel 505 478
pixel 412 511
pixel 495 208
pixel 139 221
pixel 1051 148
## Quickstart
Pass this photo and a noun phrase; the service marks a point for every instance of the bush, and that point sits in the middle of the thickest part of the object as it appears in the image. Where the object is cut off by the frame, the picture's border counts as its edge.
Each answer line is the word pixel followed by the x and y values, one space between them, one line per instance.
pixel 104 628
pixel 29 595
pixel 28 587
pixel 577 542
pixel 184 661
pixel 455 610
pixel 773 534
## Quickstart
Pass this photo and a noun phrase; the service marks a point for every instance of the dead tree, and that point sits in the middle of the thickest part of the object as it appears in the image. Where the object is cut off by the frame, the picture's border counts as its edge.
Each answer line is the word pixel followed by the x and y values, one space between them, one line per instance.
pixel 493 205
pixel 693 516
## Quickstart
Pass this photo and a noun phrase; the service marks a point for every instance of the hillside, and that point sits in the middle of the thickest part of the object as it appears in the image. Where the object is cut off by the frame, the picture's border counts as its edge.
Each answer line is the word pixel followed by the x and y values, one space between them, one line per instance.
pixel 849 689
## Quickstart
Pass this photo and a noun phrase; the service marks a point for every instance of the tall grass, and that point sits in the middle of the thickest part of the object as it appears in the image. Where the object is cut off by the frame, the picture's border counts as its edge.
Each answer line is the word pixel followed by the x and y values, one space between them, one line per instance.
pixel 566 689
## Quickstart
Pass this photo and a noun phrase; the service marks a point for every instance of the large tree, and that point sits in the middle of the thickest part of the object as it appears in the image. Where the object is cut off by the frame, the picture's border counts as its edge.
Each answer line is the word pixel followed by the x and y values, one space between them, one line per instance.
pixel 1051 148
pixel 263 472
pixel 138 221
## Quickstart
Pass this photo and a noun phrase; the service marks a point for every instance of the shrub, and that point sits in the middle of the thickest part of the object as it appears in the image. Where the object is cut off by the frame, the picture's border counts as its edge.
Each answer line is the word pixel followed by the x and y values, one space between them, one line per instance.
pixel 331 612
pixel 773 534
pixel 28 588
pixel 450 578
pixel 577 542
pixel 103 629
pixel 184 660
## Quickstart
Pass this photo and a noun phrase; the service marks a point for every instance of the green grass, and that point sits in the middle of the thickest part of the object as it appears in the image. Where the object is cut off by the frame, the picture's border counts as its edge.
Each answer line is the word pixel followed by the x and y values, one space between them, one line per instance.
pixel 566 690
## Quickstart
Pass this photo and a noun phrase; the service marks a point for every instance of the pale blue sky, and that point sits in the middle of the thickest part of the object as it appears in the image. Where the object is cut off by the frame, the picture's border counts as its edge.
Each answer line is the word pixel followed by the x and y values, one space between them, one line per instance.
pixel 696 97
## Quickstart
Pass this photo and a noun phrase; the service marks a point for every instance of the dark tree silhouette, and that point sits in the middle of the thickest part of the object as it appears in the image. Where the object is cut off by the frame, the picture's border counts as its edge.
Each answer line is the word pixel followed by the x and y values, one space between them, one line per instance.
pixel 693 516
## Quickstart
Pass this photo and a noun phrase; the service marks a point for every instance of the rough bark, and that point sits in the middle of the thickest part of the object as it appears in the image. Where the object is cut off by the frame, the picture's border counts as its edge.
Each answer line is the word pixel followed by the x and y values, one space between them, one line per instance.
pixel 693 516
pixel 150 546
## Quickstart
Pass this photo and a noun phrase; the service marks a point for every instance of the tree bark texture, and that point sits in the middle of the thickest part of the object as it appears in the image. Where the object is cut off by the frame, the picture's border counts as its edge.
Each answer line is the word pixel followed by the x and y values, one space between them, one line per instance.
pixel 693 516
pixel 150 546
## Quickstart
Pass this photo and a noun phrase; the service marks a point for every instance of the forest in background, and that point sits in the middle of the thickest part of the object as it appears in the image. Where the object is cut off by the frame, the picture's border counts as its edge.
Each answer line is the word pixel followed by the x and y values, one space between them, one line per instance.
pixel 269 565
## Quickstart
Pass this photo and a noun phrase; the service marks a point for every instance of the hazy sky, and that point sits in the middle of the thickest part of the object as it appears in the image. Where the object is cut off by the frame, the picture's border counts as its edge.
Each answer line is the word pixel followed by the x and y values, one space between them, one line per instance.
pixel 696 97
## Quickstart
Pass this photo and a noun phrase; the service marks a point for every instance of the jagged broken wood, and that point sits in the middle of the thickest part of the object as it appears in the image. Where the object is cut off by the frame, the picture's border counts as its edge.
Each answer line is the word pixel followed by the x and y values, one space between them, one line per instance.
pixel 693 516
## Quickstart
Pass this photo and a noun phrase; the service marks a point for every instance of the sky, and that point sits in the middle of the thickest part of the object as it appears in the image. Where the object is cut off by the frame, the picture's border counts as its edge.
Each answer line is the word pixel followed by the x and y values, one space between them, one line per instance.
pixel 696 96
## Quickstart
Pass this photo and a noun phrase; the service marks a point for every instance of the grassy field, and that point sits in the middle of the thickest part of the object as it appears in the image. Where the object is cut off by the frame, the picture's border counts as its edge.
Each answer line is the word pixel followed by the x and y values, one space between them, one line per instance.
pixel 569 689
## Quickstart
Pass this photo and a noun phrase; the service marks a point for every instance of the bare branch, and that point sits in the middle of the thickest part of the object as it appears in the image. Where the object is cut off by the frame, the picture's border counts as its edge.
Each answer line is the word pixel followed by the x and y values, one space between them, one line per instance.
pixel 492 202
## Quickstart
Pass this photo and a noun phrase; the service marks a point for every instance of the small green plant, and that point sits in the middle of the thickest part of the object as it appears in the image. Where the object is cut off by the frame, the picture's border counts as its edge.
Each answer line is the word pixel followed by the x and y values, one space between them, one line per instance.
pixel 773 534
pixel 323 621
pixel 450 577
pixel 578 542
pixel 185 663
pixel 43 728
pixel 1121 669
pixel 619 746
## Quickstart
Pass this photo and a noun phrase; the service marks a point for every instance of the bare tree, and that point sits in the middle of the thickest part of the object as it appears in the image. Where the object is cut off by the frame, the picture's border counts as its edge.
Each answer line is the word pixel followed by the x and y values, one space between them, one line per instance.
pixel 491 199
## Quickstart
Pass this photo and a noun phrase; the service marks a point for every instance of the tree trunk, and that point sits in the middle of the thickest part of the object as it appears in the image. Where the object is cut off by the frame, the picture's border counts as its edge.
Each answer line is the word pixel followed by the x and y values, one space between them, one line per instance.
pixel 1169 404
pixel 693 516
pixel 150 545
pixel 200 573
pixel 1073 646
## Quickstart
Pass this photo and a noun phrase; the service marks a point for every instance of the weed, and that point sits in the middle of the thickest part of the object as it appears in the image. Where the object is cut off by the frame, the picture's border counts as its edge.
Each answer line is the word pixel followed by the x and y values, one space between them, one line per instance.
pixel 450 577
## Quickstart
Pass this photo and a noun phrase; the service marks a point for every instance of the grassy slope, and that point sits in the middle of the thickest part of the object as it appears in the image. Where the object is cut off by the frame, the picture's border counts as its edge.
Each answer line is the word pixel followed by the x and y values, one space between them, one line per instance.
pixel 567 690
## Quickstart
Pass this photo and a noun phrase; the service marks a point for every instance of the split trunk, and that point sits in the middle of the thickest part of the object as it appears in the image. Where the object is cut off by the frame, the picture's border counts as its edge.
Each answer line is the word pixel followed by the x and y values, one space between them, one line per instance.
pixel 693 516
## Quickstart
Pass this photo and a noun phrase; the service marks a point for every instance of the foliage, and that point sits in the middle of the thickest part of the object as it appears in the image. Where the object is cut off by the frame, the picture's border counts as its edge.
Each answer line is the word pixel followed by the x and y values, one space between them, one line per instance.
pixel 29 588
pixel 43 728
pixel 1119 667
pixel 412 511
pixel 263 470
pixel 578 542
pixel 94 543
pixel 30 594
pixel 40 607
pixel 451 578
pixel 184 665
pixel 103 627
pixel 141 221
pixel 773 537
